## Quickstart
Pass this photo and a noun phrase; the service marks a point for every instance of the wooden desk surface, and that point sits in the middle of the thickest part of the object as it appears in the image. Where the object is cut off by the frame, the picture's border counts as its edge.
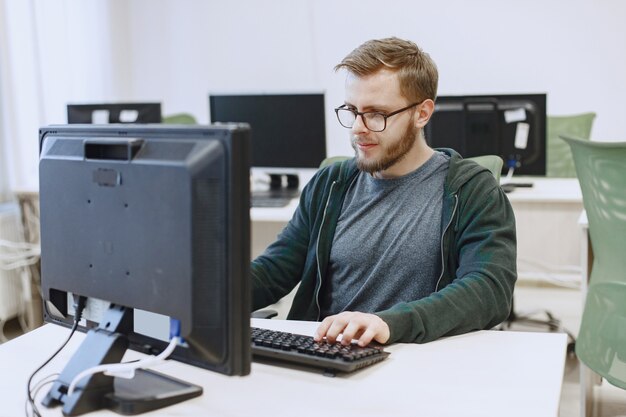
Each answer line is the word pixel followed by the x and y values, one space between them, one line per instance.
pixel 488 373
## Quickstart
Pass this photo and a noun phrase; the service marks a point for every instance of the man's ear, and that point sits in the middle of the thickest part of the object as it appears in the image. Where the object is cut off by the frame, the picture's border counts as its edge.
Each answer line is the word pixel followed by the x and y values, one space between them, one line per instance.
pixel 424 112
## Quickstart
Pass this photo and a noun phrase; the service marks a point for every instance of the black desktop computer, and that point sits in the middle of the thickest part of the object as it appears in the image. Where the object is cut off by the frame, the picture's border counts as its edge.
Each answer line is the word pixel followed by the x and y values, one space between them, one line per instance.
pixel 106 113
pixel 148 218
pixel 512 126
pixel 288 134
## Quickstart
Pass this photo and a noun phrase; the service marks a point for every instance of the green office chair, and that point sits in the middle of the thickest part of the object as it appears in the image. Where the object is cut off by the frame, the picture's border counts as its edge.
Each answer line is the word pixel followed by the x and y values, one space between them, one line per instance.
pixel 559 161
pixel 492 162
pixel 179 119
pixel 601 168
pixel 331 160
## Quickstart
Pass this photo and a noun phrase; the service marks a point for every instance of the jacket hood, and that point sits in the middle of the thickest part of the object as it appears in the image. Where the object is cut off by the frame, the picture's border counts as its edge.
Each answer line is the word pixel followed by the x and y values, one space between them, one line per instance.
pixel 459 171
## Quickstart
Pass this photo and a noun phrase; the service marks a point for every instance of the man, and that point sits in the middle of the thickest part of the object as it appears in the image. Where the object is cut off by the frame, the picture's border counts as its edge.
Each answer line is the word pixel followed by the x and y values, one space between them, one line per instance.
pixel 402 243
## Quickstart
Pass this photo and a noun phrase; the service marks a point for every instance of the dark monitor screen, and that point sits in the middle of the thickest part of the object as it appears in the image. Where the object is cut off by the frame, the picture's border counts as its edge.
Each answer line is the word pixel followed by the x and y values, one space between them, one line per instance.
pixel 154 219
pixel 105 113
pixel 512 126
pixel 288 130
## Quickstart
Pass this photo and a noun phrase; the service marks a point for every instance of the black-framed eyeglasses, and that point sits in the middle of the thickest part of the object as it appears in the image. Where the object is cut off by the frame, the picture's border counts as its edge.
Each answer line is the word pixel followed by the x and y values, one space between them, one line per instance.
pixel 373 120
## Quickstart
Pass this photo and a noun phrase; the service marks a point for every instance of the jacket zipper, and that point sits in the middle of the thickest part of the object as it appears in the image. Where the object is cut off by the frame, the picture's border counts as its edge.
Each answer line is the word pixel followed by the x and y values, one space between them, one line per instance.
pixel 443 234
pixel 317 253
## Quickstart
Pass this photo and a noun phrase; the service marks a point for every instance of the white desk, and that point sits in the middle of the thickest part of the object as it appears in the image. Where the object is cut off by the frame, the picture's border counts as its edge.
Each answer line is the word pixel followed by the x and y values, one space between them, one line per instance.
pixel 488 373
pixel 547 229
pixel 267 223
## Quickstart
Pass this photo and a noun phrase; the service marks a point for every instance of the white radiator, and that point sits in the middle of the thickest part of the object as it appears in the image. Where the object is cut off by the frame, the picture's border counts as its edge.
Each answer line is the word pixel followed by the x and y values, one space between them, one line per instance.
pixel 11 295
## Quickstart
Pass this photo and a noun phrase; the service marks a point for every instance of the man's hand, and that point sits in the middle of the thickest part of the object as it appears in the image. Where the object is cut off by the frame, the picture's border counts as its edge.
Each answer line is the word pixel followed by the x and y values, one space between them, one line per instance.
pixel 362 327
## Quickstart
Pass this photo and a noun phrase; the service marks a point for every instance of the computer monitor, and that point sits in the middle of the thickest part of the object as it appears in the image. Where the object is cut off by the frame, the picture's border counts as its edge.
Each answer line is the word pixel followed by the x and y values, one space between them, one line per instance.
pixel 288 130
pixel 151 219
pixel 512 126
pixel 105 113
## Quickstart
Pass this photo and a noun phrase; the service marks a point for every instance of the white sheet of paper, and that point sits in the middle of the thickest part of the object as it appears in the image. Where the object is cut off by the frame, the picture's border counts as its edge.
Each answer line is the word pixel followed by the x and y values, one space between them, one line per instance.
pixel 521 135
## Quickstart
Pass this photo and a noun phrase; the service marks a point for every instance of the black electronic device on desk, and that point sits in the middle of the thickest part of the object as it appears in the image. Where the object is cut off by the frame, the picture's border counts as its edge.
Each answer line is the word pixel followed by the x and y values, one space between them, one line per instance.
pixel 107 113
pixel 278 192
pixel 304 350
pixel 273 198
pixel 151 220
pixel 512 126
pixel 508 187
pixel 288 134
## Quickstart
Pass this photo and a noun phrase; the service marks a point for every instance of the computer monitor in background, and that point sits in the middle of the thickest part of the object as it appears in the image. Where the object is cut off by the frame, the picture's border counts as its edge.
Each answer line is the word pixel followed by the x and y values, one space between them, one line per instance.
pixel 288 131
pixel 512 126
pixel 105 113
pixel 153 220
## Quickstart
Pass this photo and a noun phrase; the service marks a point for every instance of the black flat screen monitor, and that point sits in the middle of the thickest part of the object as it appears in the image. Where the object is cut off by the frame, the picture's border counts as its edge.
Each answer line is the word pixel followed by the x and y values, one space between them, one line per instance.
pixel 288 130
pixel 150 219
pixel 512 126
pixel 105 113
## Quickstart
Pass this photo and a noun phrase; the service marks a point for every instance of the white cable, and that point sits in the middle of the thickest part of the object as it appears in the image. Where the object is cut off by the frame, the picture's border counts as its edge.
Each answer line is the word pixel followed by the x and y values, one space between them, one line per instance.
pixel 18 254
pixel 125 370
pixel 13 262
pixel 19 245
pixel 509 175
pixel 19 263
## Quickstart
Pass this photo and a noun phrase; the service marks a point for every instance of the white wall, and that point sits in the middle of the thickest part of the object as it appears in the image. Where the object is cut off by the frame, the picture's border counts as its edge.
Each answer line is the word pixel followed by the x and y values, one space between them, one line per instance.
pixel 51 52
pixel 572 49
pixel 177 51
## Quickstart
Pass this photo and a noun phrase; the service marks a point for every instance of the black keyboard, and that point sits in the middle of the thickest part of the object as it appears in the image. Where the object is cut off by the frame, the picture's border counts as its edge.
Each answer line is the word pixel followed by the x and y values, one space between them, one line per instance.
pixel 269 201
pixel 304 350
pixel 274 197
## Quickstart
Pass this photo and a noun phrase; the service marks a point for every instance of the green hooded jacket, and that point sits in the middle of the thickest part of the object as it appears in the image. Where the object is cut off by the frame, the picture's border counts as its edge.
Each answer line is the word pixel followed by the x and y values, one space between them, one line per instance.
pixel 478 250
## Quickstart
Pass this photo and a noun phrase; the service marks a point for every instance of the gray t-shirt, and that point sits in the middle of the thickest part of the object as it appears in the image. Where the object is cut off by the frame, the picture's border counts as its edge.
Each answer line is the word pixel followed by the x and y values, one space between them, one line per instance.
pixel 386 245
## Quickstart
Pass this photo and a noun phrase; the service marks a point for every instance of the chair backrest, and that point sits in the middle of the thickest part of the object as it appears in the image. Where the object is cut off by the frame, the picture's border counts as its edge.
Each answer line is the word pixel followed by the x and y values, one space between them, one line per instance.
pixel 559 162
pixel 601 169
pixel 179 119
pixel 492 162
pixel 332 159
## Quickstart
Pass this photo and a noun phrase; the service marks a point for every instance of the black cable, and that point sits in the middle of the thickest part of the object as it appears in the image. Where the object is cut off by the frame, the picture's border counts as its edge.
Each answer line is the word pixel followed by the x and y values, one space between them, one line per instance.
pixel 42 383
pixel 79 306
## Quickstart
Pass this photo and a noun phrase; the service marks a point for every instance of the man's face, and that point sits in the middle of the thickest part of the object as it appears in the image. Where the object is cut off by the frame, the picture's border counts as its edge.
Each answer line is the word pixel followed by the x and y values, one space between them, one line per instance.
pixel 378 151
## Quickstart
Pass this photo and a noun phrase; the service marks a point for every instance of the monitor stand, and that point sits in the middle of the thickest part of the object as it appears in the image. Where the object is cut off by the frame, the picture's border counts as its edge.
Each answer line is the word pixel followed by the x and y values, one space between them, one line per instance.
pixel 287 183
pixel 283 188
pixel 147 390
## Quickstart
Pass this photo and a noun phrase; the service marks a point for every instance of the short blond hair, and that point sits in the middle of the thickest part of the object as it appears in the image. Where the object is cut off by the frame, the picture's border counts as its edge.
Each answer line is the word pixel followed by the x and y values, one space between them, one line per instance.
pixel 417 72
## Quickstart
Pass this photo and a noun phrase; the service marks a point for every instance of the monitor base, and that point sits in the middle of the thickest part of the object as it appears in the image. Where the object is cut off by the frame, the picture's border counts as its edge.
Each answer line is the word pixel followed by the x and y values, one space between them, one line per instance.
pixel 106 344
pixel 148 391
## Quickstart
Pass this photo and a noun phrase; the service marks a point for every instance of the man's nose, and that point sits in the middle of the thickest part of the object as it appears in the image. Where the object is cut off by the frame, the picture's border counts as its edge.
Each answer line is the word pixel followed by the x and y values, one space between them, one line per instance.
pixel 359 125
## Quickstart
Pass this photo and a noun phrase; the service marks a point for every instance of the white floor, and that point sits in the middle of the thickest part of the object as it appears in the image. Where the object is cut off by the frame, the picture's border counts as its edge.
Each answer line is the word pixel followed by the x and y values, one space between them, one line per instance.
pixel 564 304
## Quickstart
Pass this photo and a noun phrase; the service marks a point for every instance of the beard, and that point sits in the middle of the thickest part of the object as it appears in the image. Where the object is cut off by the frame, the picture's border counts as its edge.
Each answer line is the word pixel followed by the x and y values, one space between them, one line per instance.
pixel 391 155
